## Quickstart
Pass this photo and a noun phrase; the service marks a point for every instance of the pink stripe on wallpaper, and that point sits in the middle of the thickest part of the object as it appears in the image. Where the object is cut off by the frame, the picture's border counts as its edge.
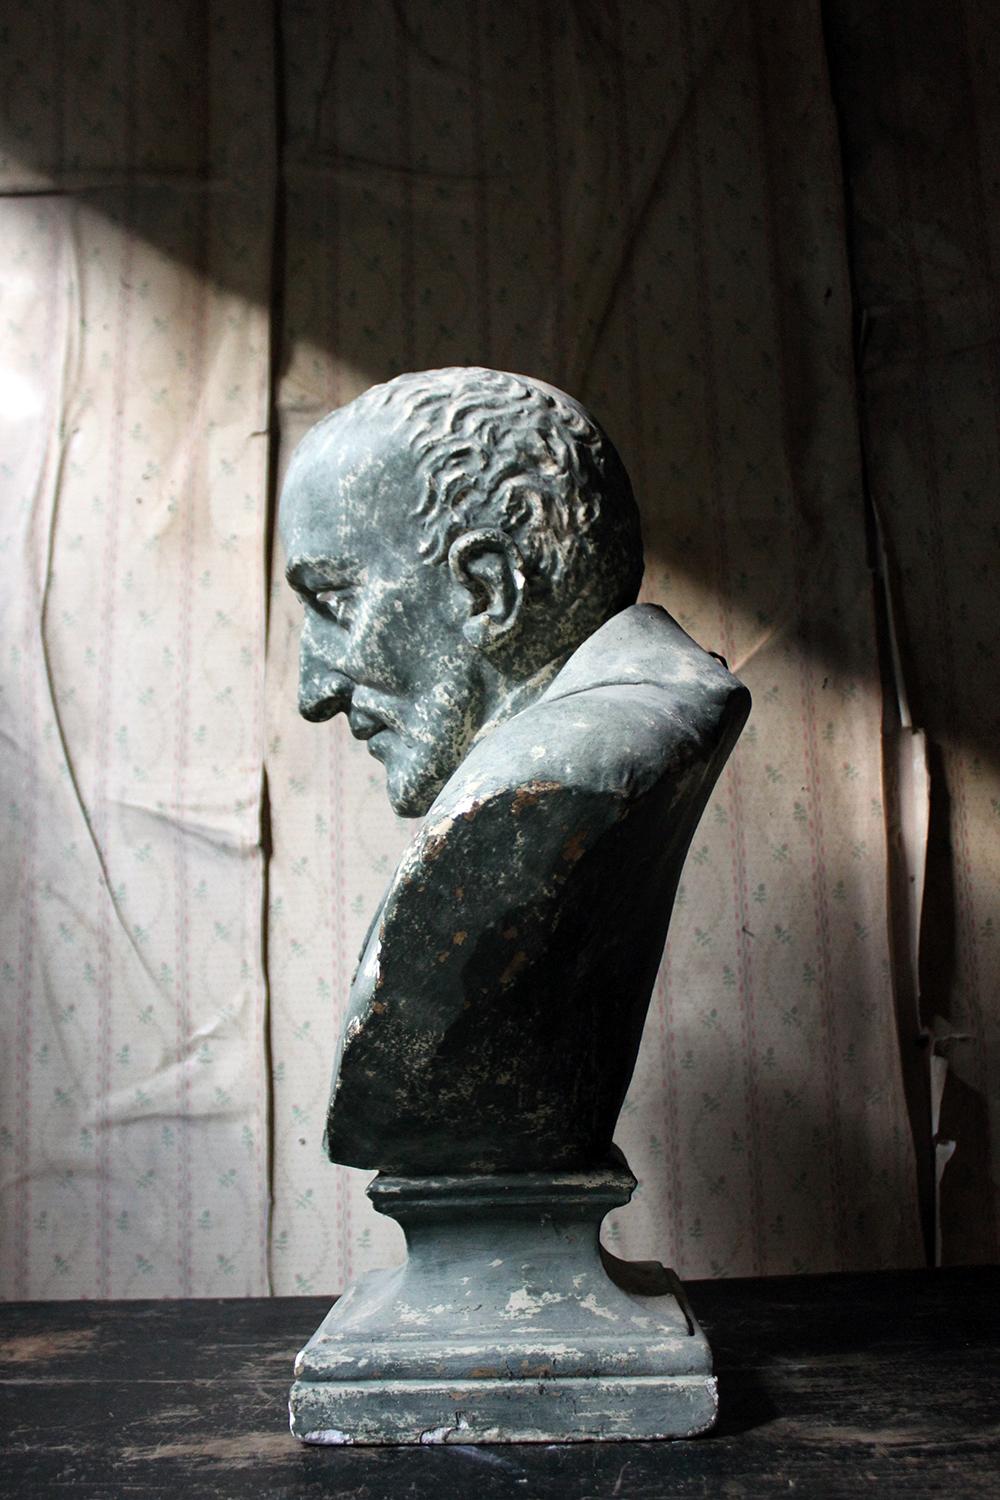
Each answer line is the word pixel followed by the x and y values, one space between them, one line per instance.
pixel 630 213
pixel 813 775
pixel 115 492
pixel 26 885
pixel 341 971
pixel 194 485
pixel 187 501
pixel 944 635
pixel 945 560
pixel 404 149
pixel 37 523
pixel 340 967
pixel 340 977
pixel 980 168
pixel 38 518
pixel 483 354
pixel 673 1147
pixel 550 84
pixel 821 916
pixel 731 777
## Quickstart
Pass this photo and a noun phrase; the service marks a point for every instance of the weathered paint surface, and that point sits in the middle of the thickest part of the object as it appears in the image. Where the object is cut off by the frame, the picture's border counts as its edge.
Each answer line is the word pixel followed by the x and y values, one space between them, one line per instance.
pixel 535 1343
pixel 466 547
pixel 510 1411
pixel 881 1385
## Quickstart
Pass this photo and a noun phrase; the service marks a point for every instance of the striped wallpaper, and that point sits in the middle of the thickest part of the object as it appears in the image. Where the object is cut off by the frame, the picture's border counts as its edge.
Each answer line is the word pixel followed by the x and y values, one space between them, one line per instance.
pixel 641 202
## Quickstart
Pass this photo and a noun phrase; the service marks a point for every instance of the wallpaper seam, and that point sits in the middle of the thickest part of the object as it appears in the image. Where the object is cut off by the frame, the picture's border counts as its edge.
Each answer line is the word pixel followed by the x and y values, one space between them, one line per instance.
pixel 891 669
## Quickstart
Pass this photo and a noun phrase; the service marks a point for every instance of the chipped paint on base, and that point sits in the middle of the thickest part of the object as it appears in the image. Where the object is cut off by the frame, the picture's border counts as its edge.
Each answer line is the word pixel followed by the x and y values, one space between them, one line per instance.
pixel 512 1411
pixel 446 1434
pixel 551 1341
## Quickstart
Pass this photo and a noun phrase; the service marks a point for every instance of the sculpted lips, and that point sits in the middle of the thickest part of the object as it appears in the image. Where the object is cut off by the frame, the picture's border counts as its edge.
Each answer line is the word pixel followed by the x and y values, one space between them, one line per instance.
pixel 364 725
pixel 376 726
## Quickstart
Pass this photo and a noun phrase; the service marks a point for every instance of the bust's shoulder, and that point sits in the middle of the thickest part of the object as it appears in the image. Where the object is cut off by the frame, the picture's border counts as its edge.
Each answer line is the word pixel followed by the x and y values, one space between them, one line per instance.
pixel 535 895
pixel 638 700
pixel 644 646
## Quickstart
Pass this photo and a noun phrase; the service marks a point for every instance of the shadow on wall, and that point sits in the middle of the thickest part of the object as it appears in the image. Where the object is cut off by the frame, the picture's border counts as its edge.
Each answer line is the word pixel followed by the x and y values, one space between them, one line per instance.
pixel 509 194
pixel 607 197
pixel 814 1185
pixel 502 194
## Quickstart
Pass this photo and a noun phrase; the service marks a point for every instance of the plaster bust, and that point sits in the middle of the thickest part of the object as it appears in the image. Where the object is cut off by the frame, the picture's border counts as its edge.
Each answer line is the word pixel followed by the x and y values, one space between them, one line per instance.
pixel 467 549
pixel 453 535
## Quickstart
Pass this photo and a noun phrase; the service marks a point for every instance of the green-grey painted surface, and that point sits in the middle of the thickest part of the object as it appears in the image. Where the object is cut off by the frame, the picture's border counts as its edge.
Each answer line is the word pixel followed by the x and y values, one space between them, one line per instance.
pixel 465 543
pixel 504 1325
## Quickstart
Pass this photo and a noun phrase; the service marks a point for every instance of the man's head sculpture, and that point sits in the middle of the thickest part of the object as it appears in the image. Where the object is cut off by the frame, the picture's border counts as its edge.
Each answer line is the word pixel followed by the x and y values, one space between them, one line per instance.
pixel 454 536
pixel 467 548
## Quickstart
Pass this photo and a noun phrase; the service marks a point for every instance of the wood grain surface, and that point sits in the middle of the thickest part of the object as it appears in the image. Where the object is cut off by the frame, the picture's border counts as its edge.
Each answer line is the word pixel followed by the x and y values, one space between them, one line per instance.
pixel 830 1386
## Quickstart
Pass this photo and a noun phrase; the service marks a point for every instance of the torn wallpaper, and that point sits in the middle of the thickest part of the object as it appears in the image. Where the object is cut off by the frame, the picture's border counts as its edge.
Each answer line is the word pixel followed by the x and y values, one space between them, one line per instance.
pixel 922 176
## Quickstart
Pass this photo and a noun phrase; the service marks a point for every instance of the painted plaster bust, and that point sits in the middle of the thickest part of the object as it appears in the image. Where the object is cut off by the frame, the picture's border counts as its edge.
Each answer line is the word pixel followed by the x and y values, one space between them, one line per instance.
pixel 466 546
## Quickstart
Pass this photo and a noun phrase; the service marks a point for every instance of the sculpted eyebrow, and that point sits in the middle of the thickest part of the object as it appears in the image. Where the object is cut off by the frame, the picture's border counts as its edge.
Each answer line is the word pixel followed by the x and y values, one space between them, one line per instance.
pixel 314 578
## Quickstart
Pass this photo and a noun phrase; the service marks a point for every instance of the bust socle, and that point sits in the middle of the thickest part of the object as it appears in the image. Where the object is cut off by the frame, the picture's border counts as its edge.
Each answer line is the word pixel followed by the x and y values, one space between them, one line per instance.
pixel 466 546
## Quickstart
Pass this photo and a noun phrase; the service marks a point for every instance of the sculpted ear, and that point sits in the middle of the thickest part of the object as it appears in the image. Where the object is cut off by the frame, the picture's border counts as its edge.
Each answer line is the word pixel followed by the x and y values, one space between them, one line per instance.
pixel 488 565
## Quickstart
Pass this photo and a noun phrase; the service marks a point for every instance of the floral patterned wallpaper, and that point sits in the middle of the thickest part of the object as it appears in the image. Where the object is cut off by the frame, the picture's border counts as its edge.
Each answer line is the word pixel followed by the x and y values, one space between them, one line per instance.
pixel 642 203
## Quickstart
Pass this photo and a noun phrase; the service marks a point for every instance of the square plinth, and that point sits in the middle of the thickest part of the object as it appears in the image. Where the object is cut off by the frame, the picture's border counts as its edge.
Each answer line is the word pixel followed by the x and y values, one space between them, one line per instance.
pixel 558 1410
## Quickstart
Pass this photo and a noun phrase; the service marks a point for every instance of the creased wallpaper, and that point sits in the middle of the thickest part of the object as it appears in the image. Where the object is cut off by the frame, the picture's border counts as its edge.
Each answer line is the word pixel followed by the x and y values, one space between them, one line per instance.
pixel 218 224
pixel 136 253
pixel 614 199
pixel 922 173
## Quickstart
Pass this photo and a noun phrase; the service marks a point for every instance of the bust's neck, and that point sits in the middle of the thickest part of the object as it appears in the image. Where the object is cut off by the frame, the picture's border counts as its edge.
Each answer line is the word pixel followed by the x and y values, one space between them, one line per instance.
pixel 513 698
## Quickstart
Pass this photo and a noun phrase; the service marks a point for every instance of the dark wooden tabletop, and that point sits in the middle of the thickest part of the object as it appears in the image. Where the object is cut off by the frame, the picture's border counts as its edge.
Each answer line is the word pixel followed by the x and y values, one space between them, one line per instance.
pixel 884 1384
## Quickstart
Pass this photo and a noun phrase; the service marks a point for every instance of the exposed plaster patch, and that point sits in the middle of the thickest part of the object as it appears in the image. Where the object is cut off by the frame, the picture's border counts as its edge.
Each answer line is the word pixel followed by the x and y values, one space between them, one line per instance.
pixel 413 1315
pixel 442 1434
pixel 330 1435
pixel 591 1303
pixel 522 1301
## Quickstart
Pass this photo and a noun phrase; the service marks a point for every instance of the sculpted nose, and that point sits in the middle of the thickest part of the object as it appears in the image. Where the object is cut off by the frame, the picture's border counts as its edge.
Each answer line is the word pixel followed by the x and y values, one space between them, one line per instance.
pixel 324 687
pixel 323 695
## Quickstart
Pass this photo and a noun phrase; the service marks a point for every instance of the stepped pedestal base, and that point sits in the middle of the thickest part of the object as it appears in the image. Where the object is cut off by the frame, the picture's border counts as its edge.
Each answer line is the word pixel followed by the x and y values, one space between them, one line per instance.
pixel 506 1324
